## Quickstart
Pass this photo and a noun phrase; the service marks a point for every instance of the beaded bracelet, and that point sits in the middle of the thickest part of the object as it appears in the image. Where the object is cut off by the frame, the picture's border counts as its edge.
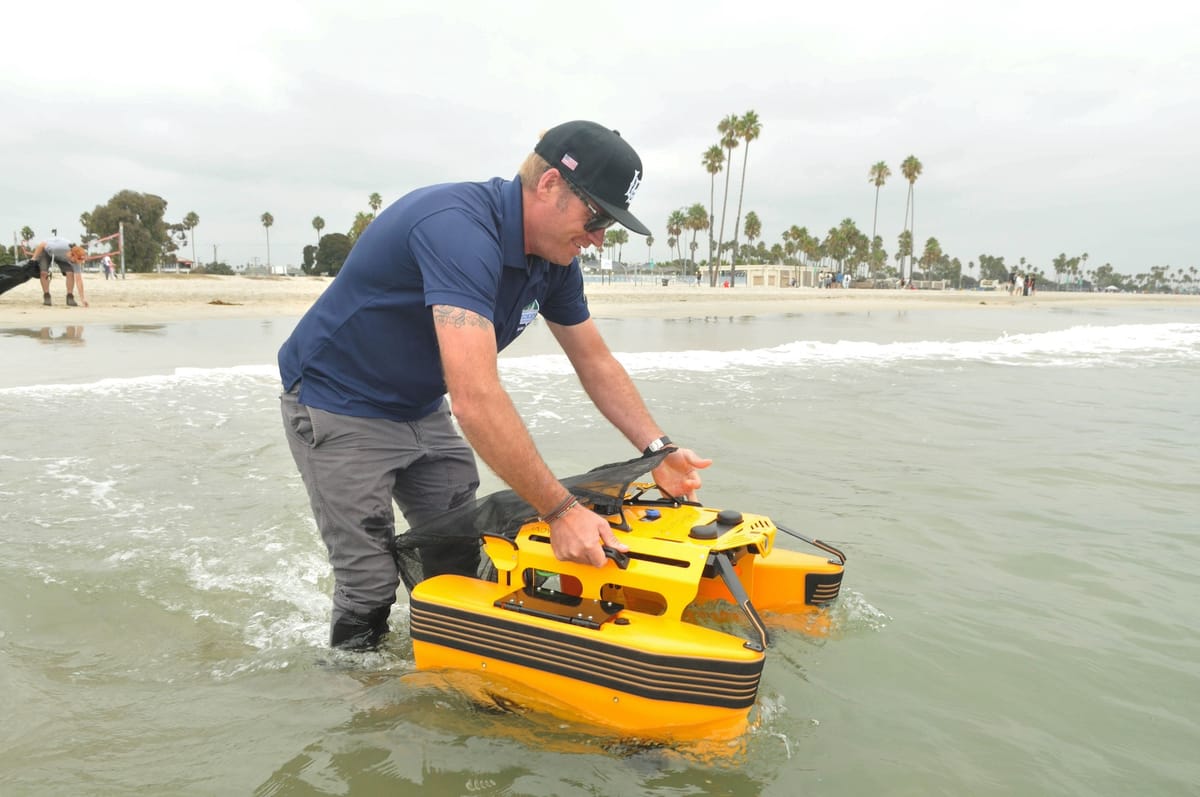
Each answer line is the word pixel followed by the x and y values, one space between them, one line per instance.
pixel 566 506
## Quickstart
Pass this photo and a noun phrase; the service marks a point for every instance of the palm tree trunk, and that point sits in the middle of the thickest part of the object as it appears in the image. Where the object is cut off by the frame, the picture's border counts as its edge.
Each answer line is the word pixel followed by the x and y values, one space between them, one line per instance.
pixel 724 207
pixel 712 200
pixel 875 218
pixel 736 224
pixel 907 200
pixel 913 227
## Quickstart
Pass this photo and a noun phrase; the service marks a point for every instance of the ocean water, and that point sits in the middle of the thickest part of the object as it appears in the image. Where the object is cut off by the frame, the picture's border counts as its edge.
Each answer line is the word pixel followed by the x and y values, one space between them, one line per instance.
pixel 1016 489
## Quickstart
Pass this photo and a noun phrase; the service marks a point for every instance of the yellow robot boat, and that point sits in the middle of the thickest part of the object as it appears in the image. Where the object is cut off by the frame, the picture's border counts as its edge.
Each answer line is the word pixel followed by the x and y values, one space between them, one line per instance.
pixel 622 646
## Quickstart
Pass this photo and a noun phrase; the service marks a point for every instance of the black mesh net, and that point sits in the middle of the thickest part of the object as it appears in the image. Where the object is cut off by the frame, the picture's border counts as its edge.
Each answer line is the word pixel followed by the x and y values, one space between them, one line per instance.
pixel 452 543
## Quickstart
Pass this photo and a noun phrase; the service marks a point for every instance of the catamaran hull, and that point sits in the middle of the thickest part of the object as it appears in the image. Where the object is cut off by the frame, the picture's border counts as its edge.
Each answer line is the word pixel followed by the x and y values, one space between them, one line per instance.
pixel 637 674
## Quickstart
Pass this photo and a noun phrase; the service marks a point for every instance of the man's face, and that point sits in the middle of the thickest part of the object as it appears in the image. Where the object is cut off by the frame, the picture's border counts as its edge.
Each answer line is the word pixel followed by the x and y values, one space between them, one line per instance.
pixel 569 235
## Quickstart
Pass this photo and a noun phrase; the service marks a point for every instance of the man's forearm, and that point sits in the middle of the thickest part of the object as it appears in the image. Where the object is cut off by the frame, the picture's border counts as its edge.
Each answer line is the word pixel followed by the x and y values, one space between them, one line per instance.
pixel 502 441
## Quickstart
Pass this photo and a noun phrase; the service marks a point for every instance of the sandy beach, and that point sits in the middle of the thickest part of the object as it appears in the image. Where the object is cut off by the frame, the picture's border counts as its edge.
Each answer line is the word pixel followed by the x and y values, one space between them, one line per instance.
pixel 160 298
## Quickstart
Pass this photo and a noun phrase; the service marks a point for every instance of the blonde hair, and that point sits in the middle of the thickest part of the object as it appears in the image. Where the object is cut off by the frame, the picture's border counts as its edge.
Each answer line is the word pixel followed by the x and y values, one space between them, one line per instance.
pixel 532 170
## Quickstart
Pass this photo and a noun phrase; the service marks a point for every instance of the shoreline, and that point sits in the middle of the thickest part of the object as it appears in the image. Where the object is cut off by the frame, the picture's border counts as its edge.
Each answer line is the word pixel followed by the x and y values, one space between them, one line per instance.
pixel 162 298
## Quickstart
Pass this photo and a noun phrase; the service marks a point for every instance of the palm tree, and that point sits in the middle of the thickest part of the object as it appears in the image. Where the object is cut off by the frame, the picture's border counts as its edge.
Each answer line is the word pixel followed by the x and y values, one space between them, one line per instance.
pixel 878 175
pixel 649 252
pixel 620 236
pixel 190 221
pixel 911 169
pixel 361 222
pixel 728 128
pixel 714 161
pixel 748 128
pixel 753 228
pixel 318 224
pixel 696 220
pixel 904 248
pixel 791 247
pixel 376 202
pixel 675 224
pixel 267 221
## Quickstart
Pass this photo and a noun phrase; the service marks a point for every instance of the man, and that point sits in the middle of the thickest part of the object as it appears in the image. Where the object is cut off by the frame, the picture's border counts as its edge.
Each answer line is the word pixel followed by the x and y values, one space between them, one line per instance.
pixel 69 258
pixel 434 288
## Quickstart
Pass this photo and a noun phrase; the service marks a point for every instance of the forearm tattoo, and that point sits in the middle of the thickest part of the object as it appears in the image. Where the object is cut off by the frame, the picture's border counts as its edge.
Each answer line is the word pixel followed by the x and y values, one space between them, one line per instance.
pixel 446 316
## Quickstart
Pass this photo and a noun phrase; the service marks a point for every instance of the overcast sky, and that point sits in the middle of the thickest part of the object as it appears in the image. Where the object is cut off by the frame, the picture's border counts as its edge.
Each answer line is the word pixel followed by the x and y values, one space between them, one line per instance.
pixel 1043 127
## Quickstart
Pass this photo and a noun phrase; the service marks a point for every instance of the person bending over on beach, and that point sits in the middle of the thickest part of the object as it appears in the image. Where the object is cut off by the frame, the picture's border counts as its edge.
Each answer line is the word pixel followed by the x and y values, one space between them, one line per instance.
pixel 69 258
pixel 435 287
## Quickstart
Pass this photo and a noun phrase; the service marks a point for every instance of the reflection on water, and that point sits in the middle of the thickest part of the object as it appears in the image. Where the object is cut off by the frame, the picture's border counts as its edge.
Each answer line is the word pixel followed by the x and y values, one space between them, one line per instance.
pixel 72 333
pixel 141 329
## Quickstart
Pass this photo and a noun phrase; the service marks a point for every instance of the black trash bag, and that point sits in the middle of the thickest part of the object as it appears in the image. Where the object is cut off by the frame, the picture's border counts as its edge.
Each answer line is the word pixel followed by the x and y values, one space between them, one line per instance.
pixel 12 276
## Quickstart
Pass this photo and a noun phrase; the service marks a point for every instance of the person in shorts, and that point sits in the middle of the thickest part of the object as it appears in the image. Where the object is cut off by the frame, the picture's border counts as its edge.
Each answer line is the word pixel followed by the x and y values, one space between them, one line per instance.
pixel 69 258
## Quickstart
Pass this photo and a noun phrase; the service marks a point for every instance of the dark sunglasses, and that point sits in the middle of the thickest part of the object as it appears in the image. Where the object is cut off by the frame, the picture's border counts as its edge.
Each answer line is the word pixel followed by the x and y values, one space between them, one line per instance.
pixel 599 220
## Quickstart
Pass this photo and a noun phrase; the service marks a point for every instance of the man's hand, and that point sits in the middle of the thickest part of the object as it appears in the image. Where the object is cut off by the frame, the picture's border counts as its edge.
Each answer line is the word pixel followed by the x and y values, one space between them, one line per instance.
pixel 679 473
pixel 579 536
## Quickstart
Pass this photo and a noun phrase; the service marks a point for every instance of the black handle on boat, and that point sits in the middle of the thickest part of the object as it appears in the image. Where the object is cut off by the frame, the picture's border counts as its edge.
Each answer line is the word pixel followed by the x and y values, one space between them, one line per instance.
pixel 619 557
pixel 824 546
pixel 724 566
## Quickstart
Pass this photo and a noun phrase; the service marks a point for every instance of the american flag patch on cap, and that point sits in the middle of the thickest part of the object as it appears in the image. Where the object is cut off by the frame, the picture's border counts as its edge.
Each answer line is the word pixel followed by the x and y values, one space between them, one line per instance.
pixel 569 162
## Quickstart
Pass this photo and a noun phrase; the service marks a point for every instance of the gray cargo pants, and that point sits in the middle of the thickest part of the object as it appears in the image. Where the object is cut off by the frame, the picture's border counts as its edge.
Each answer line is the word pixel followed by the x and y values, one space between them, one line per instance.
pixel 353 469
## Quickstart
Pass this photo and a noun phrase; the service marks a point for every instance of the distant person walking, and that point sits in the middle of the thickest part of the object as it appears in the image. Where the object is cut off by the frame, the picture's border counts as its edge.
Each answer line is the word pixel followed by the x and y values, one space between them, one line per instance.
pixel 107 264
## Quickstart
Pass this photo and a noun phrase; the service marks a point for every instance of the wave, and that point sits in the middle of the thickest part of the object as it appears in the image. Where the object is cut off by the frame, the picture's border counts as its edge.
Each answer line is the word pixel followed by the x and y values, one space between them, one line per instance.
pixel 1082 346
pixel 180 377
pixel 1127 345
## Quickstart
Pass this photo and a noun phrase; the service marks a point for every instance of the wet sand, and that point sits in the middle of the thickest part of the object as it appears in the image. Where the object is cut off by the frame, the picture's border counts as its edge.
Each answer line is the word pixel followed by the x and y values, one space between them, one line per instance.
pixel 161 298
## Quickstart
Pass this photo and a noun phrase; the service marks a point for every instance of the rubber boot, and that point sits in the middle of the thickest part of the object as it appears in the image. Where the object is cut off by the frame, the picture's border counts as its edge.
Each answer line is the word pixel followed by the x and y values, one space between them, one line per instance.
pixel 71 300
pixel 360 632
pixel 46 299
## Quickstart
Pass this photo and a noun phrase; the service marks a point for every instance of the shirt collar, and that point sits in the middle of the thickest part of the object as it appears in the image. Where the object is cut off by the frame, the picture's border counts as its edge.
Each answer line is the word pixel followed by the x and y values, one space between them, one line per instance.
pixel 512 225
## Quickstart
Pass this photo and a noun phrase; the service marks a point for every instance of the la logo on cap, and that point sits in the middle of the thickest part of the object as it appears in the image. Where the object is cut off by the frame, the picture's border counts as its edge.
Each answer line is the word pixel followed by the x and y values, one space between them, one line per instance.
pixel 634 185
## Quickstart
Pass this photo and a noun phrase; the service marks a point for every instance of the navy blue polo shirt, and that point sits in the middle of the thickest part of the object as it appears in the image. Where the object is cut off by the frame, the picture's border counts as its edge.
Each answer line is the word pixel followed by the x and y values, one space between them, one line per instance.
pixel 367 346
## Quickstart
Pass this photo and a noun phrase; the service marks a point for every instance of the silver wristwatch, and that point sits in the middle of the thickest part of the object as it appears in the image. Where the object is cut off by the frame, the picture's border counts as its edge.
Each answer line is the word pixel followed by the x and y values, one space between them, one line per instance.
pixel 656 446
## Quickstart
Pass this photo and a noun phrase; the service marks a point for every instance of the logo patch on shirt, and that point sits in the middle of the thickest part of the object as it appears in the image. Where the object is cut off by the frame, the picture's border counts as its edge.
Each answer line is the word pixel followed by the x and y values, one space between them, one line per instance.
pixel 529 313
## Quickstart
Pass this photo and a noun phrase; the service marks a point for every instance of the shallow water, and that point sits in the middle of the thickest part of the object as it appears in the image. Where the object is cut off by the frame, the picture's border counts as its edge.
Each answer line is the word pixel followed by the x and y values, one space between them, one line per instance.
pixel 1016 490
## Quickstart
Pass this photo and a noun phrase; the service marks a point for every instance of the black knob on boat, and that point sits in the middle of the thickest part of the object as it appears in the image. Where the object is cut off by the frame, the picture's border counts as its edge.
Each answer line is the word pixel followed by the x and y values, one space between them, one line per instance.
pixel 708 532
pixel 729 517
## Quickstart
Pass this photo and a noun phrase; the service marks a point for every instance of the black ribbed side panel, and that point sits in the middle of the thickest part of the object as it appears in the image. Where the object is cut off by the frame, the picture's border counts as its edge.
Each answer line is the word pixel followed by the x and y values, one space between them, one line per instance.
pixel 678 679
pixel 821 588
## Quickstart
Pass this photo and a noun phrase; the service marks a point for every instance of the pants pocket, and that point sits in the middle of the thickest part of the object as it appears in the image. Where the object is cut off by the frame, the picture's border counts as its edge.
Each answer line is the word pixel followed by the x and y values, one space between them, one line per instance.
pixel 299 421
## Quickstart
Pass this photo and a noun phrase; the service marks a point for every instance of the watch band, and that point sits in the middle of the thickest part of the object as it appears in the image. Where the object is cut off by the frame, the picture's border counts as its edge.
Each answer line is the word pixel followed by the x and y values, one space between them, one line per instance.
pixel 656 446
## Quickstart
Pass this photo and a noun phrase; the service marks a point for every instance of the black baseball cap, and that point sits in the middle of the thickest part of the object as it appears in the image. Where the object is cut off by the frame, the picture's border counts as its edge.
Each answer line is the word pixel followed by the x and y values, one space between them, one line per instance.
pixel 599 163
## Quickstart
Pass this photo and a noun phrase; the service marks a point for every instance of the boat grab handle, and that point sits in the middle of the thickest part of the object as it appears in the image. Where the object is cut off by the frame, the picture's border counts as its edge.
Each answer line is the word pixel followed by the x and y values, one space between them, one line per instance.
pixel 824 546
pixel 620 558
